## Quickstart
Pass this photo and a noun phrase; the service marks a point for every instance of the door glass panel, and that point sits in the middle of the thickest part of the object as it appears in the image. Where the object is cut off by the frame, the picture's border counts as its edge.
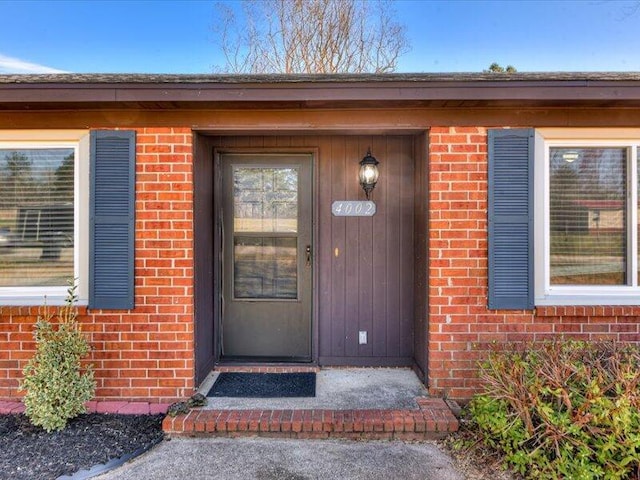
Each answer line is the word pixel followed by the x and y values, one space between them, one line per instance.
pixel 265 199
pixel 265 267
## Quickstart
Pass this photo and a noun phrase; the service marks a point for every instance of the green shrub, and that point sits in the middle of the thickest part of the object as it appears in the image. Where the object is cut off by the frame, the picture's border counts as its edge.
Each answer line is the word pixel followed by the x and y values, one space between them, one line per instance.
pixel 56 385
pixel 563 409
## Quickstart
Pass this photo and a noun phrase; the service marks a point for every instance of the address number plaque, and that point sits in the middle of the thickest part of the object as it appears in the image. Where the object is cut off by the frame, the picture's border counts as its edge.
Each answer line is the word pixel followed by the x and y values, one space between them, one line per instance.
pixel 352 208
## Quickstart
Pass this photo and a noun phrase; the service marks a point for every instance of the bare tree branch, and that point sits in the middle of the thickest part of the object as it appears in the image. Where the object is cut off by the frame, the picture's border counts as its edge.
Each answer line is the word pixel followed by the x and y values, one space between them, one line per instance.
pixel 310 36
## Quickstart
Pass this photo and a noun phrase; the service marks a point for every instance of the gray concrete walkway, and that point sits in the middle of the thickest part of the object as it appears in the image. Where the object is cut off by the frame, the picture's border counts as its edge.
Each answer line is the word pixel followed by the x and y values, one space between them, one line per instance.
pixel 290 459
pixel 280 459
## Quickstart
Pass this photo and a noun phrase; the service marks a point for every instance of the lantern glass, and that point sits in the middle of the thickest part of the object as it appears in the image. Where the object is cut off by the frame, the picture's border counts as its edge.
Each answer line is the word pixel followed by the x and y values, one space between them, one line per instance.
pixel 368 174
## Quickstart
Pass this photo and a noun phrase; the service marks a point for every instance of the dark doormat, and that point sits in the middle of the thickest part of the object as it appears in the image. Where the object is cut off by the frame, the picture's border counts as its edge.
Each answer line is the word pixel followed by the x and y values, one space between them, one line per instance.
pixel 264 385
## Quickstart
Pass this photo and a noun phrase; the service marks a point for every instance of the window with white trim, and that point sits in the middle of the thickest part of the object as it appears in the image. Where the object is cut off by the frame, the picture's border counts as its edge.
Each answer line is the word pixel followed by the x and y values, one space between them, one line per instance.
pixel 586 223
pixel 41 244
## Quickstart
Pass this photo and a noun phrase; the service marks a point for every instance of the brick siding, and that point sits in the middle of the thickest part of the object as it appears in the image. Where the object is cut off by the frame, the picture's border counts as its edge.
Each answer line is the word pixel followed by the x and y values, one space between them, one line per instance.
pixel 461 328
pixel 146 353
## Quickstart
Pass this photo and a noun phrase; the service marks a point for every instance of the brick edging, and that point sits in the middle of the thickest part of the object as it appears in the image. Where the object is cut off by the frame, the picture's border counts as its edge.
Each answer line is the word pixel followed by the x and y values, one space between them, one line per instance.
pixel 123 408
pixel 432 419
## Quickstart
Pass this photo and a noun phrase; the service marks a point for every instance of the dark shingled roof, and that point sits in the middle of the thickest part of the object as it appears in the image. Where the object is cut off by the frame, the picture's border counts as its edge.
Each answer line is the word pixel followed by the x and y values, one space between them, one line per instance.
pixel 136 78
pixel 607 89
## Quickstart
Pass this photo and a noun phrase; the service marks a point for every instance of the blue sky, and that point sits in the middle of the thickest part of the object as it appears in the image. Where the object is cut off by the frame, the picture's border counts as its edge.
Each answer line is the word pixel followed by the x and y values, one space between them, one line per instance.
pixel 446 36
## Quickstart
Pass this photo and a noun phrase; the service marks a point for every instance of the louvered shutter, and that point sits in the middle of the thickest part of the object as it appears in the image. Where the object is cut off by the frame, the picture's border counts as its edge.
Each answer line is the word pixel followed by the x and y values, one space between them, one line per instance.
pixel 511 219
pixel 112 209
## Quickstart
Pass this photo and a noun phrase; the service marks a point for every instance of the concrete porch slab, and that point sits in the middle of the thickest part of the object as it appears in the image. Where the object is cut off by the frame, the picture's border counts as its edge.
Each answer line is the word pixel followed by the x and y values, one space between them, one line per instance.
pixel 337 389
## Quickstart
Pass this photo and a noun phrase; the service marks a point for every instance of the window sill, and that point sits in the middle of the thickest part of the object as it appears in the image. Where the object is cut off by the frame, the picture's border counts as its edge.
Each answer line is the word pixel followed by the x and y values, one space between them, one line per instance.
pixel 590 296
pixel 38 301
pixel 602 310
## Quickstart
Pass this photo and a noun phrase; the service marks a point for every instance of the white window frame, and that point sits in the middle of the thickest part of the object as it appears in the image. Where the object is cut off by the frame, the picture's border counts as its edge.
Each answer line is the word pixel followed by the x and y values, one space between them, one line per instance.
pixel 79 142
pixel 545 293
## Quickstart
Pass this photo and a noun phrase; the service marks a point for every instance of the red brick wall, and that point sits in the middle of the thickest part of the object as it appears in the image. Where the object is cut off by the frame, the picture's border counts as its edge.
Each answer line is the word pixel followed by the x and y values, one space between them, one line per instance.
pixel 146 353
pixel 461 328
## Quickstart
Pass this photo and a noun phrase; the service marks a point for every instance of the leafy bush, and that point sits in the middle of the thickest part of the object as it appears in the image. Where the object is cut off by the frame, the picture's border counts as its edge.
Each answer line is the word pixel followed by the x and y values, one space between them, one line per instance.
pixel 55 384
pixel 563 409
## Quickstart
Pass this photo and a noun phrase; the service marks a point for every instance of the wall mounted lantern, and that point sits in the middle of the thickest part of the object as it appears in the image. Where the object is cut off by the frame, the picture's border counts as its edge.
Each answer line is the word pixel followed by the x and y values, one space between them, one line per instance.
pixel 368 173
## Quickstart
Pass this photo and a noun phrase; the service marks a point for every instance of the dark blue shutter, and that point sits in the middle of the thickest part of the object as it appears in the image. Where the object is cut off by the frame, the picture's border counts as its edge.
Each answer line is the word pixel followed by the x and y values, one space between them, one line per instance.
pixel 111 223
pixel 511 219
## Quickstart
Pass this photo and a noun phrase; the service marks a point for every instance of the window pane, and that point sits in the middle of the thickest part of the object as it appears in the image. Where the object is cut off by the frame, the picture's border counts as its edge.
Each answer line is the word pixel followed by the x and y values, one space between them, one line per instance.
pixel 36 217
pixel 265 199
pixel 588 216
pixel 265 267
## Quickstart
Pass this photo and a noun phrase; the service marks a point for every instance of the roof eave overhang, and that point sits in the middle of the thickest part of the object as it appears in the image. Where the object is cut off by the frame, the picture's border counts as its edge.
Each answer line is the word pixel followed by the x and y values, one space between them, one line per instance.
pixel 318 93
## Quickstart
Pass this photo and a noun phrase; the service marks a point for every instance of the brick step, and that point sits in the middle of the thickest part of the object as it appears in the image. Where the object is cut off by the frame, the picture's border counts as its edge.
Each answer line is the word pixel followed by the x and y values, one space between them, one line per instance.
pixel 432 420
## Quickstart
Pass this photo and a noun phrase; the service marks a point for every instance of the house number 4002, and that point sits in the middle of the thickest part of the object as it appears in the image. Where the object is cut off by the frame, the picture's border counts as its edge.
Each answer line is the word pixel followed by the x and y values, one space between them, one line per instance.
pixel 352 208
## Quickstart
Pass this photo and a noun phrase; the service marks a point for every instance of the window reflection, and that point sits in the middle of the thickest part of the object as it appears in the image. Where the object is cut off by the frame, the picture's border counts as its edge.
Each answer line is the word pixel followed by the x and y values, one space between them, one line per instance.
pixel 588 216
pixel 265 267
pixel 36 216
pixel 265 199
pixel 265 207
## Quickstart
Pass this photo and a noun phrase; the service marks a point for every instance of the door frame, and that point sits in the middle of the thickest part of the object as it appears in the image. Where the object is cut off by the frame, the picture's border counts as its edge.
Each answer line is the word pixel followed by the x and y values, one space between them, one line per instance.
pixel 216 154
pixel 205 314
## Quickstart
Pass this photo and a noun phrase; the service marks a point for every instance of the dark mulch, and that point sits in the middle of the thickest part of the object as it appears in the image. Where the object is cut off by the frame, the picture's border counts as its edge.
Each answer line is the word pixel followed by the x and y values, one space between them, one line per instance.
pixel 28 452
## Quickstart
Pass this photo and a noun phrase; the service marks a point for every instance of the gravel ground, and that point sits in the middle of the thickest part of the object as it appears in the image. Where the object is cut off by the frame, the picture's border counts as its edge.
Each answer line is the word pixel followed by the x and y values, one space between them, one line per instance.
pixel 28 452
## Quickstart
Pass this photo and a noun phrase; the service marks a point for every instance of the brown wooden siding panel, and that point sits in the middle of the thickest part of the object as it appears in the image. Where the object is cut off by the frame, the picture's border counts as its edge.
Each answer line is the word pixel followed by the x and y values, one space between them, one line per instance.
pixel 380 252
pixel 365 264
pixel 406 259
pixel 394 261
pixel 352 254
pixel 324 250
pixel 270 142
pixel 388 120
pixel 368 286
pixel 338 243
